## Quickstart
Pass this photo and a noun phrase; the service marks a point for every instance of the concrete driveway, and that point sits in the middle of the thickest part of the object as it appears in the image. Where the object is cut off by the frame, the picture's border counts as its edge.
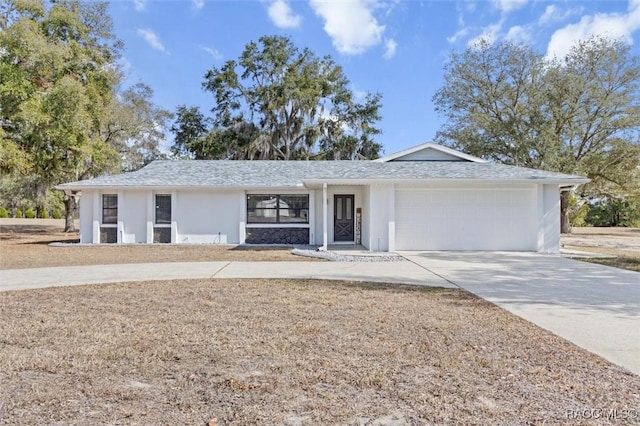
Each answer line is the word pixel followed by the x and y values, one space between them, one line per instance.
pixel 594 306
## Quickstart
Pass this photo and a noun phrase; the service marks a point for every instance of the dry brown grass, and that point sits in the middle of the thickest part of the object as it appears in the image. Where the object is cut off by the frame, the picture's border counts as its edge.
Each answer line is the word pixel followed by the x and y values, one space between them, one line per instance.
pixel 623 243
pixel 25 244
pixel 284 352
pixel 623 259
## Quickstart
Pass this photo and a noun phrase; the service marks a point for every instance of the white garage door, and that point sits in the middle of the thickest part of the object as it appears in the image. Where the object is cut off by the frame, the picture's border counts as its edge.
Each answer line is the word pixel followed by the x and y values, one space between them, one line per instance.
pixel 457 219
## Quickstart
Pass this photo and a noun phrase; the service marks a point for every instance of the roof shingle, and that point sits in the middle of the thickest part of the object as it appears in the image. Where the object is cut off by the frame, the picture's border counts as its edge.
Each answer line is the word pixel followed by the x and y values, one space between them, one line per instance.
pixel 239 173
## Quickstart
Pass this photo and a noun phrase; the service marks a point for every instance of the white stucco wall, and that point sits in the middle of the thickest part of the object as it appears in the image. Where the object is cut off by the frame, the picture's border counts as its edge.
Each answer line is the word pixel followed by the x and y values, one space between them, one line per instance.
pixel 379 203
pixel 132 213
pixel 85 210
pixel 317 224
pixel 210 217
pixel 366 217
pixel 215 217
pixel 548 218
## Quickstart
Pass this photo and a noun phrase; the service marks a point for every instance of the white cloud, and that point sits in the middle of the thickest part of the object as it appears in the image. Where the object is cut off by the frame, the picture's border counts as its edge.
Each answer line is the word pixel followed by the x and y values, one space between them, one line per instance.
pixel 549 14
pixel 151 38
pixel 390 47
pixel 215 53
pixel 350 24
pixel 615 25
pixel 139 4
pixel 518 34
pixel 198 4
pixel 359 95
pixel 489 33
pixel 506 6
pixel 282 16
pixel 458 35
pixel 553 13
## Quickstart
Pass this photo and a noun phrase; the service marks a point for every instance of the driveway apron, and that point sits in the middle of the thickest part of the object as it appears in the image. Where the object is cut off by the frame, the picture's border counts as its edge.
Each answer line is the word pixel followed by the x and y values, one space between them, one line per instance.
pixel 596 307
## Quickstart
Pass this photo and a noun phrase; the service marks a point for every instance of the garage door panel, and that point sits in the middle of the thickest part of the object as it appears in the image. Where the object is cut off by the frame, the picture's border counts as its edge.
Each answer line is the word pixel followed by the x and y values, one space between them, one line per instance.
pixel 431 219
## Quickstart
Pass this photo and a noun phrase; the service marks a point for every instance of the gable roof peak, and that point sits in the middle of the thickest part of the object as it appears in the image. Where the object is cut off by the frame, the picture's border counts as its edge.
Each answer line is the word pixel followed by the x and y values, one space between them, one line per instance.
pixel 430 152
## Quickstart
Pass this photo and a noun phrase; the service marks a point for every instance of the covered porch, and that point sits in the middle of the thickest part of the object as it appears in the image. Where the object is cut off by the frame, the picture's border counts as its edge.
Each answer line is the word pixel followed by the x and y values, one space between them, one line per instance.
pixel 353 216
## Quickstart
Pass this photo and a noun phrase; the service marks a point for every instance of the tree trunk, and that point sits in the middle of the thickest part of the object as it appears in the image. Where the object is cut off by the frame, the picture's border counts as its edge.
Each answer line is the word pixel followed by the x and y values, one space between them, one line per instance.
pixel 69 212
pixel 565 226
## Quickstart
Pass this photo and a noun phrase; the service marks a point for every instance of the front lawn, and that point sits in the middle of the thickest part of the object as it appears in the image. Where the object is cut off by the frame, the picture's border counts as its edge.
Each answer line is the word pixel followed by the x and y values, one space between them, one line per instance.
pixel 288 352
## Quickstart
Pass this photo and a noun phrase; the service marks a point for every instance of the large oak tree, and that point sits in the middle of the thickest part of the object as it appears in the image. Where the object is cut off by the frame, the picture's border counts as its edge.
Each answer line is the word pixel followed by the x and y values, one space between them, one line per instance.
pixel 278 101
pixel 578 114
pixel 62 116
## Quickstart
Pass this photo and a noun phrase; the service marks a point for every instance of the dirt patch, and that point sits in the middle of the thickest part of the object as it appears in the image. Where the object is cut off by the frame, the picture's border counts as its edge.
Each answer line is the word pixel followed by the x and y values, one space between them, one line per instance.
pixel 623 239
pixel 25 244
pixel 623 243
pixel 289 352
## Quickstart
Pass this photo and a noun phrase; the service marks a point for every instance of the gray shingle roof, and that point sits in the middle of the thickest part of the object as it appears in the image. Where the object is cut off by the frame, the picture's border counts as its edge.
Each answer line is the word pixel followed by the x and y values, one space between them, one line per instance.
pixel 236 173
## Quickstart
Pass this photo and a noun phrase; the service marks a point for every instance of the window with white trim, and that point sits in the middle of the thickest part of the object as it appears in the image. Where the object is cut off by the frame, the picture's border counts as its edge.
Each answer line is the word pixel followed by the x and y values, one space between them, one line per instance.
pixel 110 209
pixel 163 209
pixel 278 208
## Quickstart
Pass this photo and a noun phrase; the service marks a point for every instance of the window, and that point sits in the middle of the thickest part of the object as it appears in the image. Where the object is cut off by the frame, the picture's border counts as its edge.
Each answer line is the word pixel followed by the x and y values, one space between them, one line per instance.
pixel 163 209
pixel 109 208
pixel 278 208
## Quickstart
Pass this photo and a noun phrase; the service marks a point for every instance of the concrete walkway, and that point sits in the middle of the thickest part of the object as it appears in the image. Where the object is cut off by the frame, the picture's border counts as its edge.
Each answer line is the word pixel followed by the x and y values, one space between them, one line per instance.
pixel 384 272
pixel 594 306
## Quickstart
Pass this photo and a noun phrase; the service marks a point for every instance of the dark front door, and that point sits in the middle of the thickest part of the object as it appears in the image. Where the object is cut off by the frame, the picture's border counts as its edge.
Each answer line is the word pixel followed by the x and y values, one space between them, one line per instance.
pixel 343 223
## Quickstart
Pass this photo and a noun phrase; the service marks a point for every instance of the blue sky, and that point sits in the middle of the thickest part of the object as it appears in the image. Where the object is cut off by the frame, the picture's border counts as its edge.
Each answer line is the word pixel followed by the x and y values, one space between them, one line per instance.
pixel 397 48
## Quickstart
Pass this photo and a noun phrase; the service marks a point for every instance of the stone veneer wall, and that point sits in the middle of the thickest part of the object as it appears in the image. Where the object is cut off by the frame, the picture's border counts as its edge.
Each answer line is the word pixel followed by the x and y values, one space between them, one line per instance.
pixel 108 235
pixel 161 235
pixel 277 236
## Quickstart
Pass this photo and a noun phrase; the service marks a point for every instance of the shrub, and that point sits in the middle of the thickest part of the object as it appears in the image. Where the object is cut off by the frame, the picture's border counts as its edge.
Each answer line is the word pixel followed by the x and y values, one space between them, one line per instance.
pixel 19 214
pixel 578 216
pixel 30 214
pixel 608 212
pixel 3 213
pixel 44 214
pixel 56 214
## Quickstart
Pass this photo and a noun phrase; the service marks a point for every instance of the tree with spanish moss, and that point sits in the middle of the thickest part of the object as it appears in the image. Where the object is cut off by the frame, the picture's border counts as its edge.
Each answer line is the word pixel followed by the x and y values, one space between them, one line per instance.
pixel 278 101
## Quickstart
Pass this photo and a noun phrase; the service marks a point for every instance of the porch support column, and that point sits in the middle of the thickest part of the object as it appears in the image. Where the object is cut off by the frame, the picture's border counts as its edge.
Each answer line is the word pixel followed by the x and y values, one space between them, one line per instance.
pixel 325 202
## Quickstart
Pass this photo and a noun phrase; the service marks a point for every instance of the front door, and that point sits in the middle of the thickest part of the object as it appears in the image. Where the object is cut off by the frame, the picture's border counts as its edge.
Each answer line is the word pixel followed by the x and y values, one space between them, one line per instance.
pixel 343 222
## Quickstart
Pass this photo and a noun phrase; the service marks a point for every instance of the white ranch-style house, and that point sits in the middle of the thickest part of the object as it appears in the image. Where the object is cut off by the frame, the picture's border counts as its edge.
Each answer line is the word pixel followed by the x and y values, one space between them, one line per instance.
pixel 424 198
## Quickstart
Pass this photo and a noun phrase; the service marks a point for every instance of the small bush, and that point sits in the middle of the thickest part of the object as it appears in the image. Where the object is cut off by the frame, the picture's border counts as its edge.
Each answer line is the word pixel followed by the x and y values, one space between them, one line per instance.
pixel 19 214
pixel 578 217
pixel 56 214
pixel 30 214
pixel 3 213
pixel 44 214
pixel 608 212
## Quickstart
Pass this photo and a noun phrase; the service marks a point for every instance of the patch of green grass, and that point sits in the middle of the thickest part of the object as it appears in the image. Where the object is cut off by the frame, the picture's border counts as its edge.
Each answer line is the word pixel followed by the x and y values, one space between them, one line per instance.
pixel 622 262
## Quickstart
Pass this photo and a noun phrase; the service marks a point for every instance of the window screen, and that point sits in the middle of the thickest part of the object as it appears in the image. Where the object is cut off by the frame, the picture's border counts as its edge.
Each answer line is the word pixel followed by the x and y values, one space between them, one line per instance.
pixel 163 209
pixel 109 208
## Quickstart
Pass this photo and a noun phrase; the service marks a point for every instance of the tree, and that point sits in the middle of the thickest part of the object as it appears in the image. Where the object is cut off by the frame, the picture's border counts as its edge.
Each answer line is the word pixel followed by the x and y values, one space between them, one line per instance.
pixel 579 114
pixel 61 116
pixel 134 126
pixel 279 102
pixel 612 212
